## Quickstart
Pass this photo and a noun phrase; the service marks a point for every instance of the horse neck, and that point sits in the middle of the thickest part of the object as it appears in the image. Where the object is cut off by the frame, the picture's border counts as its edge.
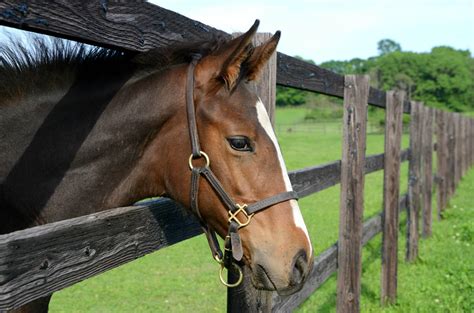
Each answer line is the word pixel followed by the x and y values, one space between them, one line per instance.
pixel 89 141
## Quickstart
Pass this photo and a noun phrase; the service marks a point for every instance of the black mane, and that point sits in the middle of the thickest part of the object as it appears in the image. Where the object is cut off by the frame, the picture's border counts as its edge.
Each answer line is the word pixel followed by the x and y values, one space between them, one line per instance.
pixel 43 62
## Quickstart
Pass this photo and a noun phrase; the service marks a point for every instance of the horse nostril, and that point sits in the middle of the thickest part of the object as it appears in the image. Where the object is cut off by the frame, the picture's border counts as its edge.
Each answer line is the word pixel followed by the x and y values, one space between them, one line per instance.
pixel 300 266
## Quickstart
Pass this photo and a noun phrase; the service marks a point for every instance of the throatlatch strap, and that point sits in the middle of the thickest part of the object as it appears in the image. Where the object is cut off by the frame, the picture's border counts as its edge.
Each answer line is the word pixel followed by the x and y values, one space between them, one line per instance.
pixel 191 112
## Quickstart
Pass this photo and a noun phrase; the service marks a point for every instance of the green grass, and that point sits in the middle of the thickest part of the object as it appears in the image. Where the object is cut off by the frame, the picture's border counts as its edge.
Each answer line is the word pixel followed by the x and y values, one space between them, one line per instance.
pixel 183 277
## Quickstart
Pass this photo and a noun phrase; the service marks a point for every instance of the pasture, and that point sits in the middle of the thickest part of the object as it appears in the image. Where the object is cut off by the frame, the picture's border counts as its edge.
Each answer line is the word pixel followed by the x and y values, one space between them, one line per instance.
pixel 182 278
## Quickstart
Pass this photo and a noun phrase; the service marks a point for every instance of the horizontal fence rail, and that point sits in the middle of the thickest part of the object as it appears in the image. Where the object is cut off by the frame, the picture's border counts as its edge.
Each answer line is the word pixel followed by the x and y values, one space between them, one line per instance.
pixel 138 27
pixel 314 179
pixel 325 264
pixel 38 261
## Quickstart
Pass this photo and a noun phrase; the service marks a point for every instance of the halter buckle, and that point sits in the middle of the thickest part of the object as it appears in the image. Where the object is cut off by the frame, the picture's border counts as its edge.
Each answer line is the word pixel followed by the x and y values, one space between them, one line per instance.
pixel 240 209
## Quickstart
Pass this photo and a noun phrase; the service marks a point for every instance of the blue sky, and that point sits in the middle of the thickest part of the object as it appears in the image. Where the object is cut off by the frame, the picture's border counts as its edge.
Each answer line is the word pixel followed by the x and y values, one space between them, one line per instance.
pixel 324 30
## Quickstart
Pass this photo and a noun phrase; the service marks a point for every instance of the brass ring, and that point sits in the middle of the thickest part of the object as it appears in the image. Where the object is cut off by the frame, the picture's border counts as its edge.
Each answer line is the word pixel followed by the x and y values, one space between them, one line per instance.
pixel 223 281
pixel 203 155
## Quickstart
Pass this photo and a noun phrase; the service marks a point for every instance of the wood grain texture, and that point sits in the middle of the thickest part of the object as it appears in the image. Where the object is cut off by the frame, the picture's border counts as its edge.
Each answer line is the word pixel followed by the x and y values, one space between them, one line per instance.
pixel 427 159
pixel 463 150
pixel 471 142
pixel 464 145
pixel 442 161
pixel 124 25
pixel 325 264
pixel 296 73
pixel 266 84
pixel 391 190
pixel 457 149
pixel 139 26
pixel 451 155
pixel 356 94
pixel 414 182
pixel 38 261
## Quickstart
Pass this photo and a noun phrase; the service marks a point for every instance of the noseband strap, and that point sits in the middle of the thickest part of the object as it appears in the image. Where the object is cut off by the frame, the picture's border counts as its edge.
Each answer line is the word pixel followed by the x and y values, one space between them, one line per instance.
pixel 239 215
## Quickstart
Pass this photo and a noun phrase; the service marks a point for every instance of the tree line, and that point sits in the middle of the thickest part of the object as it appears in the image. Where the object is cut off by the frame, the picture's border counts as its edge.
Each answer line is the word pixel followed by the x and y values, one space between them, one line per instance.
pixel 441 78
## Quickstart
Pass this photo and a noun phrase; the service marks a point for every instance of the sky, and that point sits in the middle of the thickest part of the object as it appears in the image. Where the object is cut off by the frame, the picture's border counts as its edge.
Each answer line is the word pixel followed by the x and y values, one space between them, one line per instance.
pixel 323 30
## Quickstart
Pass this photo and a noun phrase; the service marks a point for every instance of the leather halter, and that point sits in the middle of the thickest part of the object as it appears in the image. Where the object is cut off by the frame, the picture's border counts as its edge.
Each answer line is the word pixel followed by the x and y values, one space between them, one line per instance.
pixel 232 243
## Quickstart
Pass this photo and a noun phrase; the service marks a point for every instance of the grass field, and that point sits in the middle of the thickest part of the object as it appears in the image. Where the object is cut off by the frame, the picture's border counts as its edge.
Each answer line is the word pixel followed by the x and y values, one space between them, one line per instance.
pixel 183 278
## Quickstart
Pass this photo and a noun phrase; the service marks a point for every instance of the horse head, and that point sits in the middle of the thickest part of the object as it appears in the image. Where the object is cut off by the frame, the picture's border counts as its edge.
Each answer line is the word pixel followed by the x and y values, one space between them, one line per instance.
pixel 236 138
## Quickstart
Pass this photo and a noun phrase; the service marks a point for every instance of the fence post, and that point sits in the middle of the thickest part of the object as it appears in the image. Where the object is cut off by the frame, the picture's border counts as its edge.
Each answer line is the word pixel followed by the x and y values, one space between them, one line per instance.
pixel 427 170
pixel 391 194
pixel 356 92
pixel 457 143
pixel 465 145
pixel 446 159
pixel 441 144
pixel 471 141
pixel 245 298
pixel 452 155
pixel 414 183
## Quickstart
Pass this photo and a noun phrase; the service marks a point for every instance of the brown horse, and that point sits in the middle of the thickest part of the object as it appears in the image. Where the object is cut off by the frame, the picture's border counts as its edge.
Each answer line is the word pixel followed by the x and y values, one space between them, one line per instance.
pixel 84 130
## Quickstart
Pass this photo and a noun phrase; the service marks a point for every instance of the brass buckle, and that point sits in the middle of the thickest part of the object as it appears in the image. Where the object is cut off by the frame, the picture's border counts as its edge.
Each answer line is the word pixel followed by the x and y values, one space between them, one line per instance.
pixel 240 209
pixel 206 157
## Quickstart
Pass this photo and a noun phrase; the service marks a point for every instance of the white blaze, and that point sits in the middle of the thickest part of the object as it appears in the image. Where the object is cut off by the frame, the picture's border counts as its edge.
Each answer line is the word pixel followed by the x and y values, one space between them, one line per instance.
pixel 267 126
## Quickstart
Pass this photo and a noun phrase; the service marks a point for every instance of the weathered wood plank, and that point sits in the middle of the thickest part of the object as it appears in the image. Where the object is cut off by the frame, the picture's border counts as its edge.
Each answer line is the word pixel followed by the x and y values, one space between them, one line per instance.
pixel 457 150
pixel 245 298
pixel 451 155
pixel 186 225
pixel 325 264
pixel 441 152
pixel 414 182
pixel 391 190
pixel 471 141
pixel 427 158
pixel 464 145
pixel 124 25
pixel 461 147
pixel 139 26
pixel 314 179
pixel 302 75
pixel 356 92
pixel 38 261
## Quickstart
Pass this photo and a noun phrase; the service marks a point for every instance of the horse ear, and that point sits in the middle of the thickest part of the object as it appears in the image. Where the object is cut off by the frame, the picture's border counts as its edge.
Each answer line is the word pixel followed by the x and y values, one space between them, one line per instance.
pixel 260 57
pixel 231 56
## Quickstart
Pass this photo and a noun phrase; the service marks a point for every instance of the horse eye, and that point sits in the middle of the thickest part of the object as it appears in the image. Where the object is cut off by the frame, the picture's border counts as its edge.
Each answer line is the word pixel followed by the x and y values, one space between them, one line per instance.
pixel 240 143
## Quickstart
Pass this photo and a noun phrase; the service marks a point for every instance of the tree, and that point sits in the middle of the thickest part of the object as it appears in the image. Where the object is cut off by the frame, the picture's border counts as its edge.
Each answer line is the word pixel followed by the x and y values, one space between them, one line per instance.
pixel 289 96
pixel 442 78
pixel 386 46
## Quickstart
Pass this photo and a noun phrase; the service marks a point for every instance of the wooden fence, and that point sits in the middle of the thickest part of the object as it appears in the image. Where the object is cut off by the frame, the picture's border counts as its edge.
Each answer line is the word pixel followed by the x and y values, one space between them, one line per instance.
pixel 38 261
